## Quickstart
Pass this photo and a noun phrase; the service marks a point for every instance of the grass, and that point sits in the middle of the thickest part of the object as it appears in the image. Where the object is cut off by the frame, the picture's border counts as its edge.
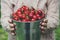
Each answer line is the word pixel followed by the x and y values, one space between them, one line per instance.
pixel 3 34
pixel 57 34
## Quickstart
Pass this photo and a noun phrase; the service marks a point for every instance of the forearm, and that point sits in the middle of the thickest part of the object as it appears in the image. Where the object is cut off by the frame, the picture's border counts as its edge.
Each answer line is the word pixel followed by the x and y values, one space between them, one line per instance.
pixel 53 14
pixel 5 24
pixel 6 11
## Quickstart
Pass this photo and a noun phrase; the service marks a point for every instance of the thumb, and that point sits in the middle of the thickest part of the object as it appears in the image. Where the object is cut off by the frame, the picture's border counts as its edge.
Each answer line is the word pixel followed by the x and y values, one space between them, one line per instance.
pixel 10 21
pixel 45 20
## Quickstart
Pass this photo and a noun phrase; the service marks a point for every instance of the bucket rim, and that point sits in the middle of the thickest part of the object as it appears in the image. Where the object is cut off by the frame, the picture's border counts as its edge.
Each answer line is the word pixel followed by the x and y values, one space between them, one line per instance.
pixel 28 22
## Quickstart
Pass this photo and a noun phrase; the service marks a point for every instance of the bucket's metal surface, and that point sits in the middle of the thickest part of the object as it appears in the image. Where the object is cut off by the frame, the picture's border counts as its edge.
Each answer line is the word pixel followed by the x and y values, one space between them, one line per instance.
pixel 27 30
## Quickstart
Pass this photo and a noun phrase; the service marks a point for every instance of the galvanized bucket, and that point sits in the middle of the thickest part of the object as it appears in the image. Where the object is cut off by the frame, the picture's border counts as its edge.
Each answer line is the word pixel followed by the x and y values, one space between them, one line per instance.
pixel 28 30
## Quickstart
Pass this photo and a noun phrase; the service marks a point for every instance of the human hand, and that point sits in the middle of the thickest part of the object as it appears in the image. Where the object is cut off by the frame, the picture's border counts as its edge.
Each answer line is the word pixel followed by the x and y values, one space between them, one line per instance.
pixel 12 27
pixel 43 25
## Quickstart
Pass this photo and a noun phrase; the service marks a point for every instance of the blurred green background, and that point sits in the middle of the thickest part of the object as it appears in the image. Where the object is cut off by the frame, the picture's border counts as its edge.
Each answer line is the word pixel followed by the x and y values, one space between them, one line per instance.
pixel 4 35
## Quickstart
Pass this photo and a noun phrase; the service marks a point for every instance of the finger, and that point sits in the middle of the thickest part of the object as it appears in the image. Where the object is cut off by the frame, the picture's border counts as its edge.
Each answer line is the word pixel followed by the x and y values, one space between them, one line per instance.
pixel 12 29
pixel 44 24
pixel 43 28
pixel 13 33
pixel 12 25
pixel 15 24
pixel 43 31
pixel 10 21
pixel 45 20
pixel 40 23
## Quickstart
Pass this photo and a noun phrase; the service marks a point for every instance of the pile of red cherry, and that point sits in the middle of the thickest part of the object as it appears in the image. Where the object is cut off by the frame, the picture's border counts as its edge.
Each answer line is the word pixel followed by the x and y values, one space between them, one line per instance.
pixel 26 14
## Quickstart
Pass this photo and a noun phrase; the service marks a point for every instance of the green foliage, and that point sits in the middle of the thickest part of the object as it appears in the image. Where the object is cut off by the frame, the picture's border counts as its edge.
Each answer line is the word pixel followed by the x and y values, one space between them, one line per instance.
pixel 58 34
pixel 3 34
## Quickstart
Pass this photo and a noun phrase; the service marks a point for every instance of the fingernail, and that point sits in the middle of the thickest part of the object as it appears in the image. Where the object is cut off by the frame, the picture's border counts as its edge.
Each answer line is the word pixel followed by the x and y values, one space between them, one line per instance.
pixel 15 24
pixel 13 33
pixel 42 31
pixel 11 24
pixel 15 28
pixel 45 20
pixel 42 27
pixel 42 23
pixel 12 29
pixel 10 21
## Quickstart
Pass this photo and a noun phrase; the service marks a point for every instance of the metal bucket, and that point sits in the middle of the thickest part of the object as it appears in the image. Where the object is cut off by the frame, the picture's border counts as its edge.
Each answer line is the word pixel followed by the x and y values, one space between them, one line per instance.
pixel 27 30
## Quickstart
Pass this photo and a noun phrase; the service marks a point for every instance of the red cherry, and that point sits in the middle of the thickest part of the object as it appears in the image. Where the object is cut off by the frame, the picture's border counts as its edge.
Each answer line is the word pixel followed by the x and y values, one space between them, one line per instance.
pixel 14 15
pixel 32 11
pixel 27 19
pixel 19 9
pixel 39 11
pixel 19 12
pixel 25 7
pixel 26 12
pixel 19 20
pixel 32 19
pixel 35 17
pixel 20 15
pixel 16 18
pixel 36 12
pixel 39 17
pixel 23 16
pixel 43 15
pixel 30 15
pixel 23 20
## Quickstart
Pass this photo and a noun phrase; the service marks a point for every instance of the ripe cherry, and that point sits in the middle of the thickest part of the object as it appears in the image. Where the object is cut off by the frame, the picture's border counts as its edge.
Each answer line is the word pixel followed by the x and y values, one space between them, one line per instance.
pixel 39 17
pixel 19 9
pixel 27 19
pixel 30 15
pixel 35 17
pixel 39 11
pixel 36 12
pixel 20 15
pixel 32 11
pixel 26 12
pixel 23 16
pixel 32 19
pixel 19 12
pixel 16 18
pixel 23 20
pixel 19 20
pixel 14 15
pixel 43 15
pixel 25 7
